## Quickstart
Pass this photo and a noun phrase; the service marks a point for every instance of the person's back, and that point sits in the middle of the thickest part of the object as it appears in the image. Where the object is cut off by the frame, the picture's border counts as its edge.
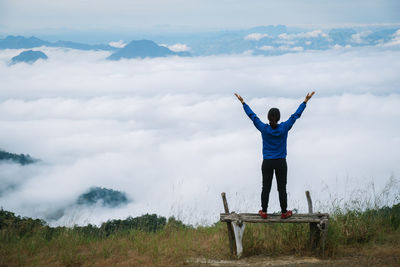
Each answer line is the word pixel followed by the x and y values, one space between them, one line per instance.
pixel 274 135
pixel 274 141
pixel 274 138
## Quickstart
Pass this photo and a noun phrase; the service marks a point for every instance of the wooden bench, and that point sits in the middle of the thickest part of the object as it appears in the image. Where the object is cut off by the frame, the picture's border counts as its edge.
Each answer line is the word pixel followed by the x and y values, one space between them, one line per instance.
pixel 236 224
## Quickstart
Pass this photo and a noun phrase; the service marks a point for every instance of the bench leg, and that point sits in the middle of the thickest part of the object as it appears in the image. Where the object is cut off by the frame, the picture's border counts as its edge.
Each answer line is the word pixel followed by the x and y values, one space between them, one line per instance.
pixel 323 226
pixel 315 234
pixel 238 229
pixel 229 226
pixel 231 237
pixel 318 233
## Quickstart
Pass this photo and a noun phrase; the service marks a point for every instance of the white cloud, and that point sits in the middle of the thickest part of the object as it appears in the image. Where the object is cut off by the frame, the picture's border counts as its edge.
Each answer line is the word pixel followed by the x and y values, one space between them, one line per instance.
pixel 118 44
pixel 266 48
pixel 178 47
pixel 248 52
pixel 311 34
pixel 358 37
pixel 255 36
pixel 293 49
pixel 285 41
pixel 282 48
pixel 170 133
pixel 395 40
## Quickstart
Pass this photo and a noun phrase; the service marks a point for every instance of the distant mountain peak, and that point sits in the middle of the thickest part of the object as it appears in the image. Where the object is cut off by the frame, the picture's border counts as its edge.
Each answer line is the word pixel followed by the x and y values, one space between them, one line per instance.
pixel 144 49
pixel 28 56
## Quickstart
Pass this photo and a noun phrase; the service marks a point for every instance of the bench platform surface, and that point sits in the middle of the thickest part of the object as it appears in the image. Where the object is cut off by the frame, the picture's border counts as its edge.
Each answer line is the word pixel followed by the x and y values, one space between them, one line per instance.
pixel 273 218
pixel 235 223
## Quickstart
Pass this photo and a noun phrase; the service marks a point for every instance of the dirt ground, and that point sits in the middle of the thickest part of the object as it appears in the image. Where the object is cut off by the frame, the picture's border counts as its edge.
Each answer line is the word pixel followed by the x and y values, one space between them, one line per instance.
pixel 373 256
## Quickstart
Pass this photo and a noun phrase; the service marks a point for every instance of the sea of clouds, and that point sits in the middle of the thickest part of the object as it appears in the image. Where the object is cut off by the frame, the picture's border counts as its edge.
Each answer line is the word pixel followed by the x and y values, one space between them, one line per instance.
pixel 170 133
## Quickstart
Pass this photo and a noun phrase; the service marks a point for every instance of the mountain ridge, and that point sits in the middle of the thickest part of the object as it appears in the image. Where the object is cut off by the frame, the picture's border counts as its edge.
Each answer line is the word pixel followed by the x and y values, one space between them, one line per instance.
pixel 259 40
pixel 18 42
pixel 143 49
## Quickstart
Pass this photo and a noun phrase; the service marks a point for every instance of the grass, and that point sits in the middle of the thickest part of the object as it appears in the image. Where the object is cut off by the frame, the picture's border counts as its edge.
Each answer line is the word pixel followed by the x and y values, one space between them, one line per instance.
pixel 27 242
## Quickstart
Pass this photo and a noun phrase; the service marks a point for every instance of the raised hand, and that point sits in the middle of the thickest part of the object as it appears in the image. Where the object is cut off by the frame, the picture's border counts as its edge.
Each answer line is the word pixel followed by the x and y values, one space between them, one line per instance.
pixel 239 98
pixel 308 96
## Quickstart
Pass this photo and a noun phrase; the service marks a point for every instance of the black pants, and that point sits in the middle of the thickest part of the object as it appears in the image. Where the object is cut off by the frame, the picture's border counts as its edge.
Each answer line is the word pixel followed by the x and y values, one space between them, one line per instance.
pixel 268 168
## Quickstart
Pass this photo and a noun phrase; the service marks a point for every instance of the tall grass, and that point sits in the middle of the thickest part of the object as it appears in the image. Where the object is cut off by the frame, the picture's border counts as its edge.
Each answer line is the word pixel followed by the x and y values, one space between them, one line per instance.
pixel 43 245
pixel 29 242
pixel 155 241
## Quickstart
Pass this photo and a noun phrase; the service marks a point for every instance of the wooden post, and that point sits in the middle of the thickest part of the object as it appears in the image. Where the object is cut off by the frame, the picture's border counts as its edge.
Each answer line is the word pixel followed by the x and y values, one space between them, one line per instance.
pixel 231 236
pixel 309 202
pixel 315 232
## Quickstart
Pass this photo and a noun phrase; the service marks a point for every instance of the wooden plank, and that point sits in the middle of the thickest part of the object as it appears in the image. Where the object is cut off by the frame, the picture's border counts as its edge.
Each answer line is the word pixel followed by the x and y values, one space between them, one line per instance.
pixel 253 215
pixel 244 217
pixel 261 220
pixel 255 218
pixel 305 215
pixel 232 245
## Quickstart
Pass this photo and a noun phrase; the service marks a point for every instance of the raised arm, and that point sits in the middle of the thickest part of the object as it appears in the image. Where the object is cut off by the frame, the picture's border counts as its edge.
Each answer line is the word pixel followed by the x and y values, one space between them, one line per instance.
pixel 256 121
pixel 289 123
pixel 308 96
pixel 239 98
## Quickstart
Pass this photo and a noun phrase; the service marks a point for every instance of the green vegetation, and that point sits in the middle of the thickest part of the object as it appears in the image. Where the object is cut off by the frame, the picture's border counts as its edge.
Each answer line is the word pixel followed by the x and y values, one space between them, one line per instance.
pixel 153 240
pixel 17 158
pixel 108 197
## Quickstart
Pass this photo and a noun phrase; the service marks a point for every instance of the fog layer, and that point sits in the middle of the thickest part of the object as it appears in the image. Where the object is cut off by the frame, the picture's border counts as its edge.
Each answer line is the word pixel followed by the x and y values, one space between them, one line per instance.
pixel 170 133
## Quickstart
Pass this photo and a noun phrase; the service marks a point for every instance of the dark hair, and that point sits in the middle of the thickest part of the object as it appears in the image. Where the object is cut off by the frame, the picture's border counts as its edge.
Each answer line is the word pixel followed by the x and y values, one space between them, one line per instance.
pixel 274 116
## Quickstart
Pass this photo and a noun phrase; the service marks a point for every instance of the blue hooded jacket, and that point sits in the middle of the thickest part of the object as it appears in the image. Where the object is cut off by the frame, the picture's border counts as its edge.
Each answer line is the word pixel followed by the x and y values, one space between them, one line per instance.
pixel 274 140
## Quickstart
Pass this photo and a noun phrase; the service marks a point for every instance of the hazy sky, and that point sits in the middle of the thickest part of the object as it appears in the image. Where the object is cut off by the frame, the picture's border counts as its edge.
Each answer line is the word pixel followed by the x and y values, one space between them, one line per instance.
pixel 127 15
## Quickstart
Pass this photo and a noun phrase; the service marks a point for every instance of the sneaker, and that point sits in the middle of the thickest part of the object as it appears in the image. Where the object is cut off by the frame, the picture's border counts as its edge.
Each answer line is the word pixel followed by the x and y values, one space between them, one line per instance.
pixel 263 215
pixel 286 214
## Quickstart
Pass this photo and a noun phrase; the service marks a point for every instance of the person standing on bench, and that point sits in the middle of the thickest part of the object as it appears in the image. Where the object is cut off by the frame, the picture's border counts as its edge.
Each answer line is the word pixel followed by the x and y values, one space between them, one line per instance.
pixel 274 137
